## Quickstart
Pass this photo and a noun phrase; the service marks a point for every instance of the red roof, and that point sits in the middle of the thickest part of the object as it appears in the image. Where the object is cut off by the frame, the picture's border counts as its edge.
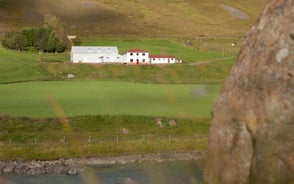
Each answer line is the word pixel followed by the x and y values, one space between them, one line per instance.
pixel 161 56
pixel 137 50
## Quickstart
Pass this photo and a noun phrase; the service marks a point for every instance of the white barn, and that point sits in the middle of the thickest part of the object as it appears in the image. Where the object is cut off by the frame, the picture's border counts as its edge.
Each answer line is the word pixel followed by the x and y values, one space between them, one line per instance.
pixel 96 54
pixel 160 59
pixel 137 56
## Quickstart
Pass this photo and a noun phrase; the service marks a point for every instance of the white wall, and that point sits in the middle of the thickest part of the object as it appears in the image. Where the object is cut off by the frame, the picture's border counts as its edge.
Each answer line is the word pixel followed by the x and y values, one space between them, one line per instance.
pixel 162 60
pixel 97 58
pixel 113 58
pixel 85 58
pixel 137 57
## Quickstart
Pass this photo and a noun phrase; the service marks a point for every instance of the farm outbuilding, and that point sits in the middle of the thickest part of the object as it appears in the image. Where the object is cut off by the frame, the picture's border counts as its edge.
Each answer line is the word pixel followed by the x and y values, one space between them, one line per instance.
pixel 160 59
pixel 95 54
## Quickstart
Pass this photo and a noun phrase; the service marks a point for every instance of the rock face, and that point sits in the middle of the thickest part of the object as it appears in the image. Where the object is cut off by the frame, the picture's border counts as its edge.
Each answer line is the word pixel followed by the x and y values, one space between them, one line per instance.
pixel 252 134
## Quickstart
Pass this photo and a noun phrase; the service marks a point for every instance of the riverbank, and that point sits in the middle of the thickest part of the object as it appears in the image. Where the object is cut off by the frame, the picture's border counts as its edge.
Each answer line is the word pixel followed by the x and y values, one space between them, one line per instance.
pixel 75 166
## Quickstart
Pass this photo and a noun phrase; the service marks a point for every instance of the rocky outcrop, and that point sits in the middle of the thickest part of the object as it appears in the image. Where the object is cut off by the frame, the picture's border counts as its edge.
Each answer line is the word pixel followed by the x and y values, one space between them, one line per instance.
pixel 77 165
pixel 252 134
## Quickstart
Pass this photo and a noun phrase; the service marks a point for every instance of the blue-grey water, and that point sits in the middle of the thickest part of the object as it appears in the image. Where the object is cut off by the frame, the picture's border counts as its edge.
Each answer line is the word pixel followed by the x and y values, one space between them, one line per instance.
pixel 180 172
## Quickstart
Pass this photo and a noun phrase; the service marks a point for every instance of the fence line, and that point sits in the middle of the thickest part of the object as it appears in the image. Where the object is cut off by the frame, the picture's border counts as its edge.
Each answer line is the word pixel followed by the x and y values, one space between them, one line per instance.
pixel 103 140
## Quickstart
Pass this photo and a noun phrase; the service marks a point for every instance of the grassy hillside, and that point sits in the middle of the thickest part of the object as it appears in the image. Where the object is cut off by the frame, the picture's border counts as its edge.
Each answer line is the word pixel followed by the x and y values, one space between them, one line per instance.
pixel 165 18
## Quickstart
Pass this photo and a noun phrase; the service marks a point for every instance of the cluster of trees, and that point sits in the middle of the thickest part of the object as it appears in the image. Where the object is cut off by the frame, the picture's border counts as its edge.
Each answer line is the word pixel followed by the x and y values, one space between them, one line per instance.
pixel 52 37
pixel 44 39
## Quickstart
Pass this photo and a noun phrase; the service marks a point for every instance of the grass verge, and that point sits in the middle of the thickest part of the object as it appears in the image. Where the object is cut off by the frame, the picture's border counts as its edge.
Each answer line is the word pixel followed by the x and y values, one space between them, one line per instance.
pixel 103 135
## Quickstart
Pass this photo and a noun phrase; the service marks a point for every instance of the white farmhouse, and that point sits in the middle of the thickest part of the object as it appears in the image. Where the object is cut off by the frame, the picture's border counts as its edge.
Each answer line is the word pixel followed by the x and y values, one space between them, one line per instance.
pixel 137 56
pixel 94 54
pixel 160 59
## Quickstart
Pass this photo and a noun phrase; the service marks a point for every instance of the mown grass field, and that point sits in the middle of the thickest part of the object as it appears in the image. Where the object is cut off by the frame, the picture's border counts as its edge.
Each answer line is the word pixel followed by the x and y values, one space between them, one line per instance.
pixel 37 99
pixel 87 118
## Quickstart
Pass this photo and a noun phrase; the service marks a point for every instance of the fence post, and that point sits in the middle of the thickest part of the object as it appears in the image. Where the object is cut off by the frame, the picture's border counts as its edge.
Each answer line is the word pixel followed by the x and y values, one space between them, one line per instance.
pixel 35 140
pixel 117 139
pixel 90 139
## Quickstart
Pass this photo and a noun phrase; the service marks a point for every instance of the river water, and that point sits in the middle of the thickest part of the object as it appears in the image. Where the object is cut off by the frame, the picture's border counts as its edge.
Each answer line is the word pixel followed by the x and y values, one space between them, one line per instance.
pixel 179 172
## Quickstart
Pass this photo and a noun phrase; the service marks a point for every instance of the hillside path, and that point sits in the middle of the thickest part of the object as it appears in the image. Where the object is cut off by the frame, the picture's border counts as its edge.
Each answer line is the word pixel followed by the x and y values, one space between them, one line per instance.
pixel 209 61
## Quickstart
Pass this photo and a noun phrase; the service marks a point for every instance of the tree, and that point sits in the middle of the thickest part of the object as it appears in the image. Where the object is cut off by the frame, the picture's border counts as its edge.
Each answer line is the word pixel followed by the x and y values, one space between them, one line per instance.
pixel 42 38
pixel 30 34
pixel 14 40
pixel 54 23
pixel 54 44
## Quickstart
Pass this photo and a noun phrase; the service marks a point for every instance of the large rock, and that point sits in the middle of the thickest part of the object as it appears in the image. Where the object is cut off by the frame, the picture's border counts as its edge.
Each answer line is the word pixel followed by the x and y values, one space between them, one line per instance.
pixel 252 134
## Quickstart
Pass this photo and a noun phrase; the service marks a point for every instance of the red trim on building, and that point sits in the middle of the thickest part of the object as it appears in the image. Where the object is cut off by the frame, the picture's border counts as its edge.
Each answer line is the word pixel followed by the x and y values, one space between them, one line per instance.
pixel 160 56
pixel 137 51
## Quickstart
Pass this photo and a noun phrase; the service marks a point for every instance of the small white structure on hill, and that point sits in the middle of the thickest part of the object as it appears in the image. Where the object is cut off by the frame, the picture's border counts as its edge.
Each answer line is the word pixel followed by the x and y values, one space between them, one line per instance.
pixel 161 59
pixel 137 56
pixel 94 54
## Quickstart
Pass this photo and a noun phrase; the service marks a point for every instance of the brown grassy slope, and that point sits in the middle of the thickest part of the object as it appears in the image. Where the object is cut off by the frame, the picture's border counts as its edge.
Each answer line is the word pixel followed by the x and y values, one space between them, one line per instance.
pixel 184 18
pixel 15 13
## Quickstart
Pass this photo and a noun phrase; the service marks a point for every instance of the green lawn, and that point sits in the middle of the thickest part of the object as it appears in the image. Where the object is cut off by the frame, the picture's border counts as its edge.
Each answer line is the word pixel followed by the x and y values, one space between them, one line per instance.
pixel 45 99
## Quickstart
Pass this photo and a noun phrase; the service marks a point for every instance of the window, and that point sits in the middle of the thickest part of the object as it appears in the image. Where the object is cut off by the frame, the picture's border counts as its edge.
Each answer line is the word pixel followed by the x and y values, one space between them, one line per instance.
pixel 143 54
pixel 131 60
pixel 143 60
pixel 131 54
pixel 137 54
